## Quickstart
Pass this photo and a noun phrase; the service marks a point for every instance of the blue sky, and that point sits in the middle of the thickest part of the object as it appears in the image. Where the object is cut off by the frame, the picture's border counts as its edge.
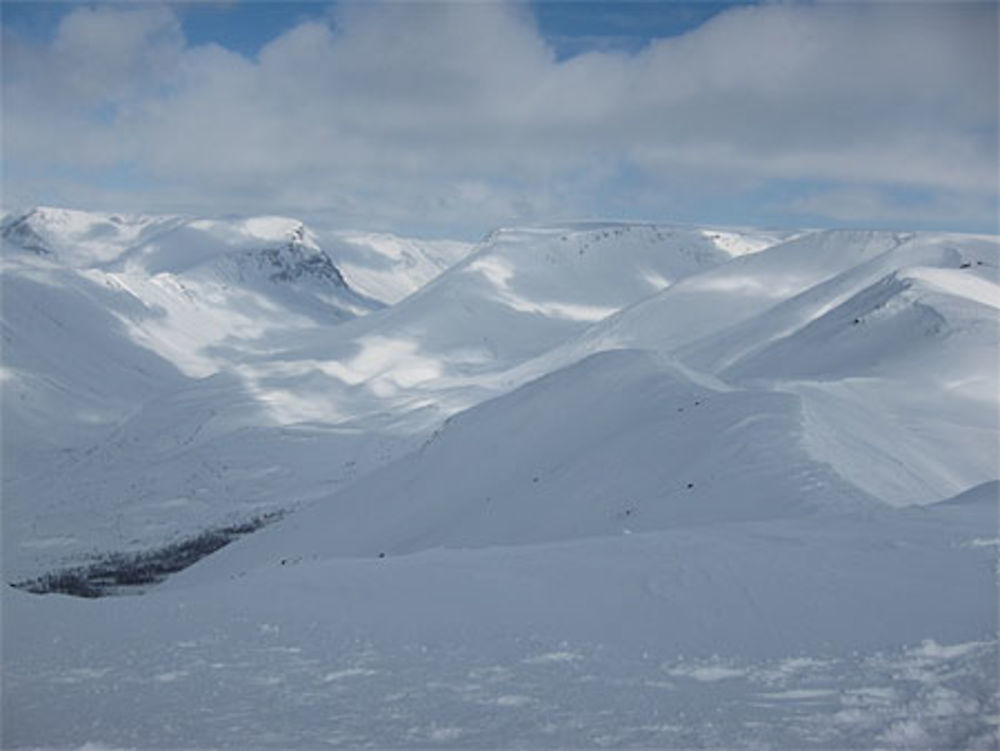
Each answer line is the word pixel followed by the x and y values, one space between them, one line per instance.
pixel 570 27
pixel 245 26
pixel 451 118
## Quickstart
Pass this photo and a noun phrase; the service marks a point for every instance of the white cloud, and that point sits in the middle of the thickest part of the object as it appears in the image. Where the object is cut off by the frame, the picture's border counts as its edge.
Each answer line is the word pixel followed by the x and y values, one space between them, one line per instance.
pixel 460 114
pixel 872 204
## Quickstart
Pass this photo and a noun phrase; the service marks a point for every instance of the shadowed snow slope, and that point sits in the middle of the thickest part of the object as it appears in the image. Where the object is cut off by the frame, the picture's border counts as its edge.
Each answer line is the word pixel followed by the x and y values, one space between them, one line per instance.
pixel 524 291
pixel 102 314
pixel 124 340
pixel 387 267
pixel 615 443
pixel 899 324
pixel 746 286
pixel 741 338
pixel 900 382
pixel 890 340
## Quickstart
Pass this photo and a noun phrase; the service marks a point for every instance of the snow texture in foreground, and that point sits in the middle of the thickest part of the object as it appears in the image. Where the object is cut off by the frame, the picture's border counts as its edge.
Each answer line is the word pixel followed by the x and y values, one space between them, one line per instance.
pixel 870 633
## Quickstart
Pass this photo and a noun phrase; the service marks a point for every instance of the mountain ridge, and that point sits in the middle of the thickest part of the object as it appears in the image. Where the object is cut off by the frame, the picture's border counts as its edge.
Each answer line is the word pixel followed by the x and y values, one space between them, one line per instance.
pixel 524 303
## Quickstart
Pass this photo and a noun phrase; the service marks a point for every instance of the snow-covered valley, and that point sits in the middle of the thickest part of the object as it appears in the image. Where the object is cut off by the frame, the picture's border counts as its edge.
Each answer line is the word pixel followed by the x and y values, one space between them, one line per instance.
pixel 590 485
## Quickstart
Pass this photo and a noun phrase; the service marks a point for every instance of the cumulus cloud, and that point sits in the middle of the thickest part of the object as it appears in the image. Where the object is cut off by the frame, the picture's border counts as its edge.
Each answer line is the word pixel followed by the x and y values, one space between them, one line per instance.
pixel 461 115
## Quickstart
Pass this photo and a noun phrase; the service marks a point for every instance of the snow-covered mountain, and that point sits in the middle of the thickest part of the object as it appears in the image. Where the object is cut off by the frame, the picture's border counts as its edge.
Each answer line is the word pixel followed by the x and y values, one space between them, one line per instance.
pixel 387 267
pixel 710 486
pixel 245 361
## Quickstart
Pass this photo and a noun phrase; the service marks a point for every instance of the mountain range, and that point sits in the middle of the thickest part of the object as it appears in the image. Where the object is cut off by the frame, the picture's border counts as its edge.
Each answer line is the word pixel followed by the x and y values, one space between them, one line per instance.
pixel 594 484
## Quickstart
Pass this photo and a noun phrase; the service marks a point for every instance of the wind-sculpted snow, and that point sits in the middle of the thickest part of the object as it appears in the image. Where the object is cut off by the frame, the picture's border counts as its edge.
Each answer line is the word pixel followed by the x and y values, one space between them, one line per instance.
pixel 590 485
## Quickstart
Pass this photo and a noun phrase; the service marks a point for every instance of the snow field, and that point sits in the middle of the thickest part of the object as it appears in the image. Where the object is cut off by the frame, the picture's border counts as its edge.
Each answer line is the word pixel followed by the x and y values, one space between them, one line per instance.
pixel 597 485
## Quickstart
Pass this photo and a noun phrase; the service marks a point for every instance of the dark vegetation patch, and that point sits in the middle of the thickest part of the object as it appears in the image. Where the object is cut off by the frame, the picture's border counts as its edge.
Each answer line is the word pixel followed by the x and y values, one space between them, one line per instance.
pixel 115 573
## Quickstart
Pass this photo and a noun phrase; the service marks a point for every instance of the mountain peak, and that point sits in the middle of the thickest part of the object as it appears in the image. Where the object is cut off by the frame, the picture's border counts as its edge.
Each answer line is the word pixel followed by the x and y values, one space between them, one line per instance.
pixel 294 260
pixel 20 231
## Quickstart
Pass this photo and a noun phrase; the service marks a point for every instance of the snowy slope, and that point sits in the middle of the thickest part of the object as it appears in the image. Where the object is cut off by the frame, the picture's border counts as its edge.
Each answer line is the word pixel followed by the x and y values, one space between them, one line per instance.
pixel 387 267
pixel 716 352
pixel 899 375
pixel 869 633
pixel 592 485
pixel 900 379
pixel 123 338
pixel 524 291
pixel 616 443
pixel 517 296
pixel 901 323
pixel 70 367
pixel 82 239
pixel 240 314
pixel 111 313
pixel 747 286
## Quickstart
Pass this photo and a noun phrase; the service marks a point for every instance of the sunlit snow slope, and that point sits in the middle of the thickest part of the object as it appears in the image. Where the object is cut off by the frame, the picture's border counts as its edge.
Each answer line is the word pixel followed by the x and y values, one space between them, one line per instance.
pixel 124 339
pixel 219 366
